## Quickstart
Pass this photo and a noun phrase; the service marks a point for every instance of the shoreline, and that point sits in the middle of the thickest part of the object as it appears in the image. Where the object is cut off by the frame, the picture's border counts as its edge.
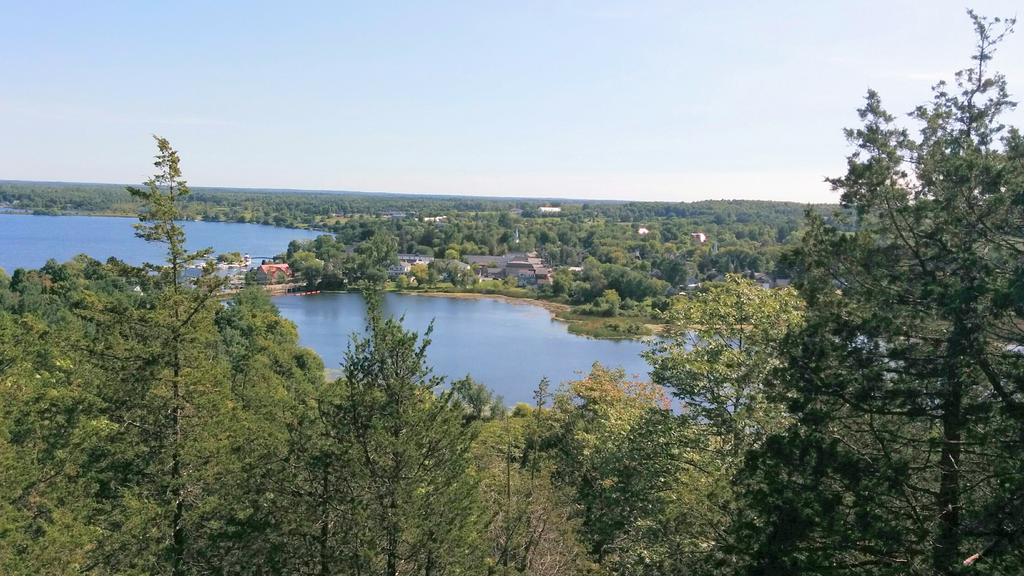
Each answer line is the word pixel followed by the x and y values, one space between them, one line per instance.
pixel 553 307
pixel 77 213
pixel 584 327
pixel 620 328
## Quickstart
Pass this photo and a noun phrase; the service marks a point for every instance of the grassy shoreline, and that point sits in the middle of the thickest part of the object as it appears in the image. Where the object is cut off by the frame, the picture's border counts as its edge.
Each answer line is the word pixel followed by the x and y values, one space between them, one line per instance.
pixel 555 308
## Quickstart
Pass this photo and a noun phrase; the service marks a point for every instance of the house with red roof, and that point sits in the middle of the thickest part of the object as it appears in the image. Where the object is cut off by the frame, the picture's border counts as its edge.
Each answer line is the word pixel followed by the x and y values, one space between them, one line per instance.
pixel 273 273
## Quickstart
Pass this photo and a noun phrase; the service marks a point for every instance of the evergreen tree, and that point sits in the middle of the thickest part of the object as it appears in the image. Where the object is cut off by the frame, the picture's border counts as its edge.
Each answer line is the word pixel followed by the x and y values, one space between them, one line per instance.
pixel 906 381
pixel 44 425
pixel 163 399
pixel 405 481
pixel 255 509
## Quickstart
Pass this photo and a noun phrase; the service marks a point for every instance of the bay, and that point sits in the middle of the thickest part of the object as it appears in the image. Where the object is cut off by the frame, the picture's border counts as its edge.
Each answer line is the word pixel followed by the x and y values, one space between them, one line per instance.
pixel 28 241
pixel 507 346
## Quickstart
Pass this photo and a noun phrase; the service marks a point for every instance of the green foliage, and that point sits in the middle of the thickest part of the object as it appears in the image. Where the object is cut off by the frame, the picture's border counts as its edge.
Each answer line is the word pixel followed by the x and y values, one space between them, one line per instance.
pixel 904 383
pixel 618 450
pixel 369 266
pixel 420 273
pixel 406 456
pixel 141 430
pixel 717 358
pixel 160 200
pixel 230 258
pixel 306 265
pixel 607 304
pixel 451 271
pixel 477 401
pixel 724 343
pixel 41 521
pixel 530 528
pixel 165 393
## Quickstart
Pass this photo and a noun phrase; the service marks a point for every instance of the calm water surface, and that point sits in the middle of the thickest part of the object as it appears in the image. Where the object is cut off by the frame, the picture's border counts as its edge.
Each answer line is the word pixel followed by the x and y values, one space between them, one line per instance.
pixel 509 347
pixel 28 241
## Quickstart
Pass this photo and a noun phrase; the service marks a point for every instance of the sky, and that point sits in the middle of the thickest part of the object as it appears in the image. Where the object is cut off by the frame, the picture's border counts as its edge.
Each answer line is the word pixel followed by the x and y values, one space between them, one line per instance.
pixel 630 100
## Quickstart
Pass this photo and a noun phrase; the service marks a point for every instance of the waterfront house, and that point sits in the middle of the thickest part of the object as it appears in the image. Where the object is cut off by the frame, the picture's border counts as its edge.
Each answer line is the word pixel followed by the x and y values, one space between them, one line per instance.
pixel 273 273
pixel 528 269
pixel 405 264
pixel 396 270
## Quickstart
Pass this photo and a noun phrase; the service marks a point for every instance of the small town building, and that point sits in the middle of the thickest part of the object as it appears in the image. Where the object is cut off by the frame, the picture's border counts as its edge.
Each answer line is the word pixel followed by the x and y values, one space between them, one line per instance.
pixel 406 262
pixel 273 273
pixel 415 259
pixel 700 237
pixel 528 269
pixel 396 270
pixel 550 209
pixel 768 281
pixel 763 280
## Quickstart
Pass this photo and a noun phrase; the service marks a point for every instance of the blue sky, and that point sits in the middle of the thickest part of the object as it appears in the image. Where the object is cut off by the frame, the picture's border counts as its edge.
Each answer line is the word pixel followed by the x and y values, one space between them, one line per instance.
pixel 587 99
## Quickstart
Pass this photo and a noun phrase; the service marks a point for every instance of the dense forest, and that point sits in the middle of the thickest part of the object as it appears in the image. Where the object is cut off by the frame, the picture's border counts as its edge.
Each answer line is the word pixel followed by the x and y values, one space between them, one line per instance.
pixel 867 420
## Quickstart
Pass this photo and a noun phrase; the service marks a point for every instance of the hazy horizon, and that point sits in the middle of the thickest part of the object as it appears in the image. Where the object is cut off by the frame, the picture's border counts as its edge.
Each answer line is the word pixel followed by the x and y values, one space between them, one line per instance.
pixel 553 199
pixel 660 101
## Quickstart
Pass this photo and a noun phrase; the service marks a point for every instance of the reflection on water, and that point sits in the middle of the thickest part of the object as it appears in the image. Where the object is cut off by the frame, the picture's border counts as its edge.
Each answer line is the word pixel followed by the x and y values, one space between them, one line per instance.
pixel 509 347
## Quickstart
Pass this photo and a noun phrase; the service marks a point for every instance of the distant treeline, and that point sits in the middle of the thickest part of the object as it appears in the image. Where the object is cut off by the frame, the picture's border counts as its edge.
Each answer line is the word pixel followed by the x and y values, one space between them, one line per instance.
pixel 741 236
pixel 297 207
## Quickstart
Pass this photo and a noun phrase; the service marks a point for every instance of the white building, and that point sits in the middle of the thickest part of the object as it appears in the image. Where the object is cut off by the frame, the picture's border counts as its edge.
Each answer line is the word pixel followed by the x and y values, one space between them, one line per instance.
pixel 396 270
pixel 550 209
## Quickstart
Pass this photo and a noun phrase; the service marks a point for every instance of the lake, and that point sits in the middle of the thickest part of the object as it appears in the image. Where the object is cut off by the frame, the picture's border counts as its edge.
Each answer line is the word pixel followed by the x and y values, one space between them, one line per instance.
pixel 27 241
pixel 509 347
